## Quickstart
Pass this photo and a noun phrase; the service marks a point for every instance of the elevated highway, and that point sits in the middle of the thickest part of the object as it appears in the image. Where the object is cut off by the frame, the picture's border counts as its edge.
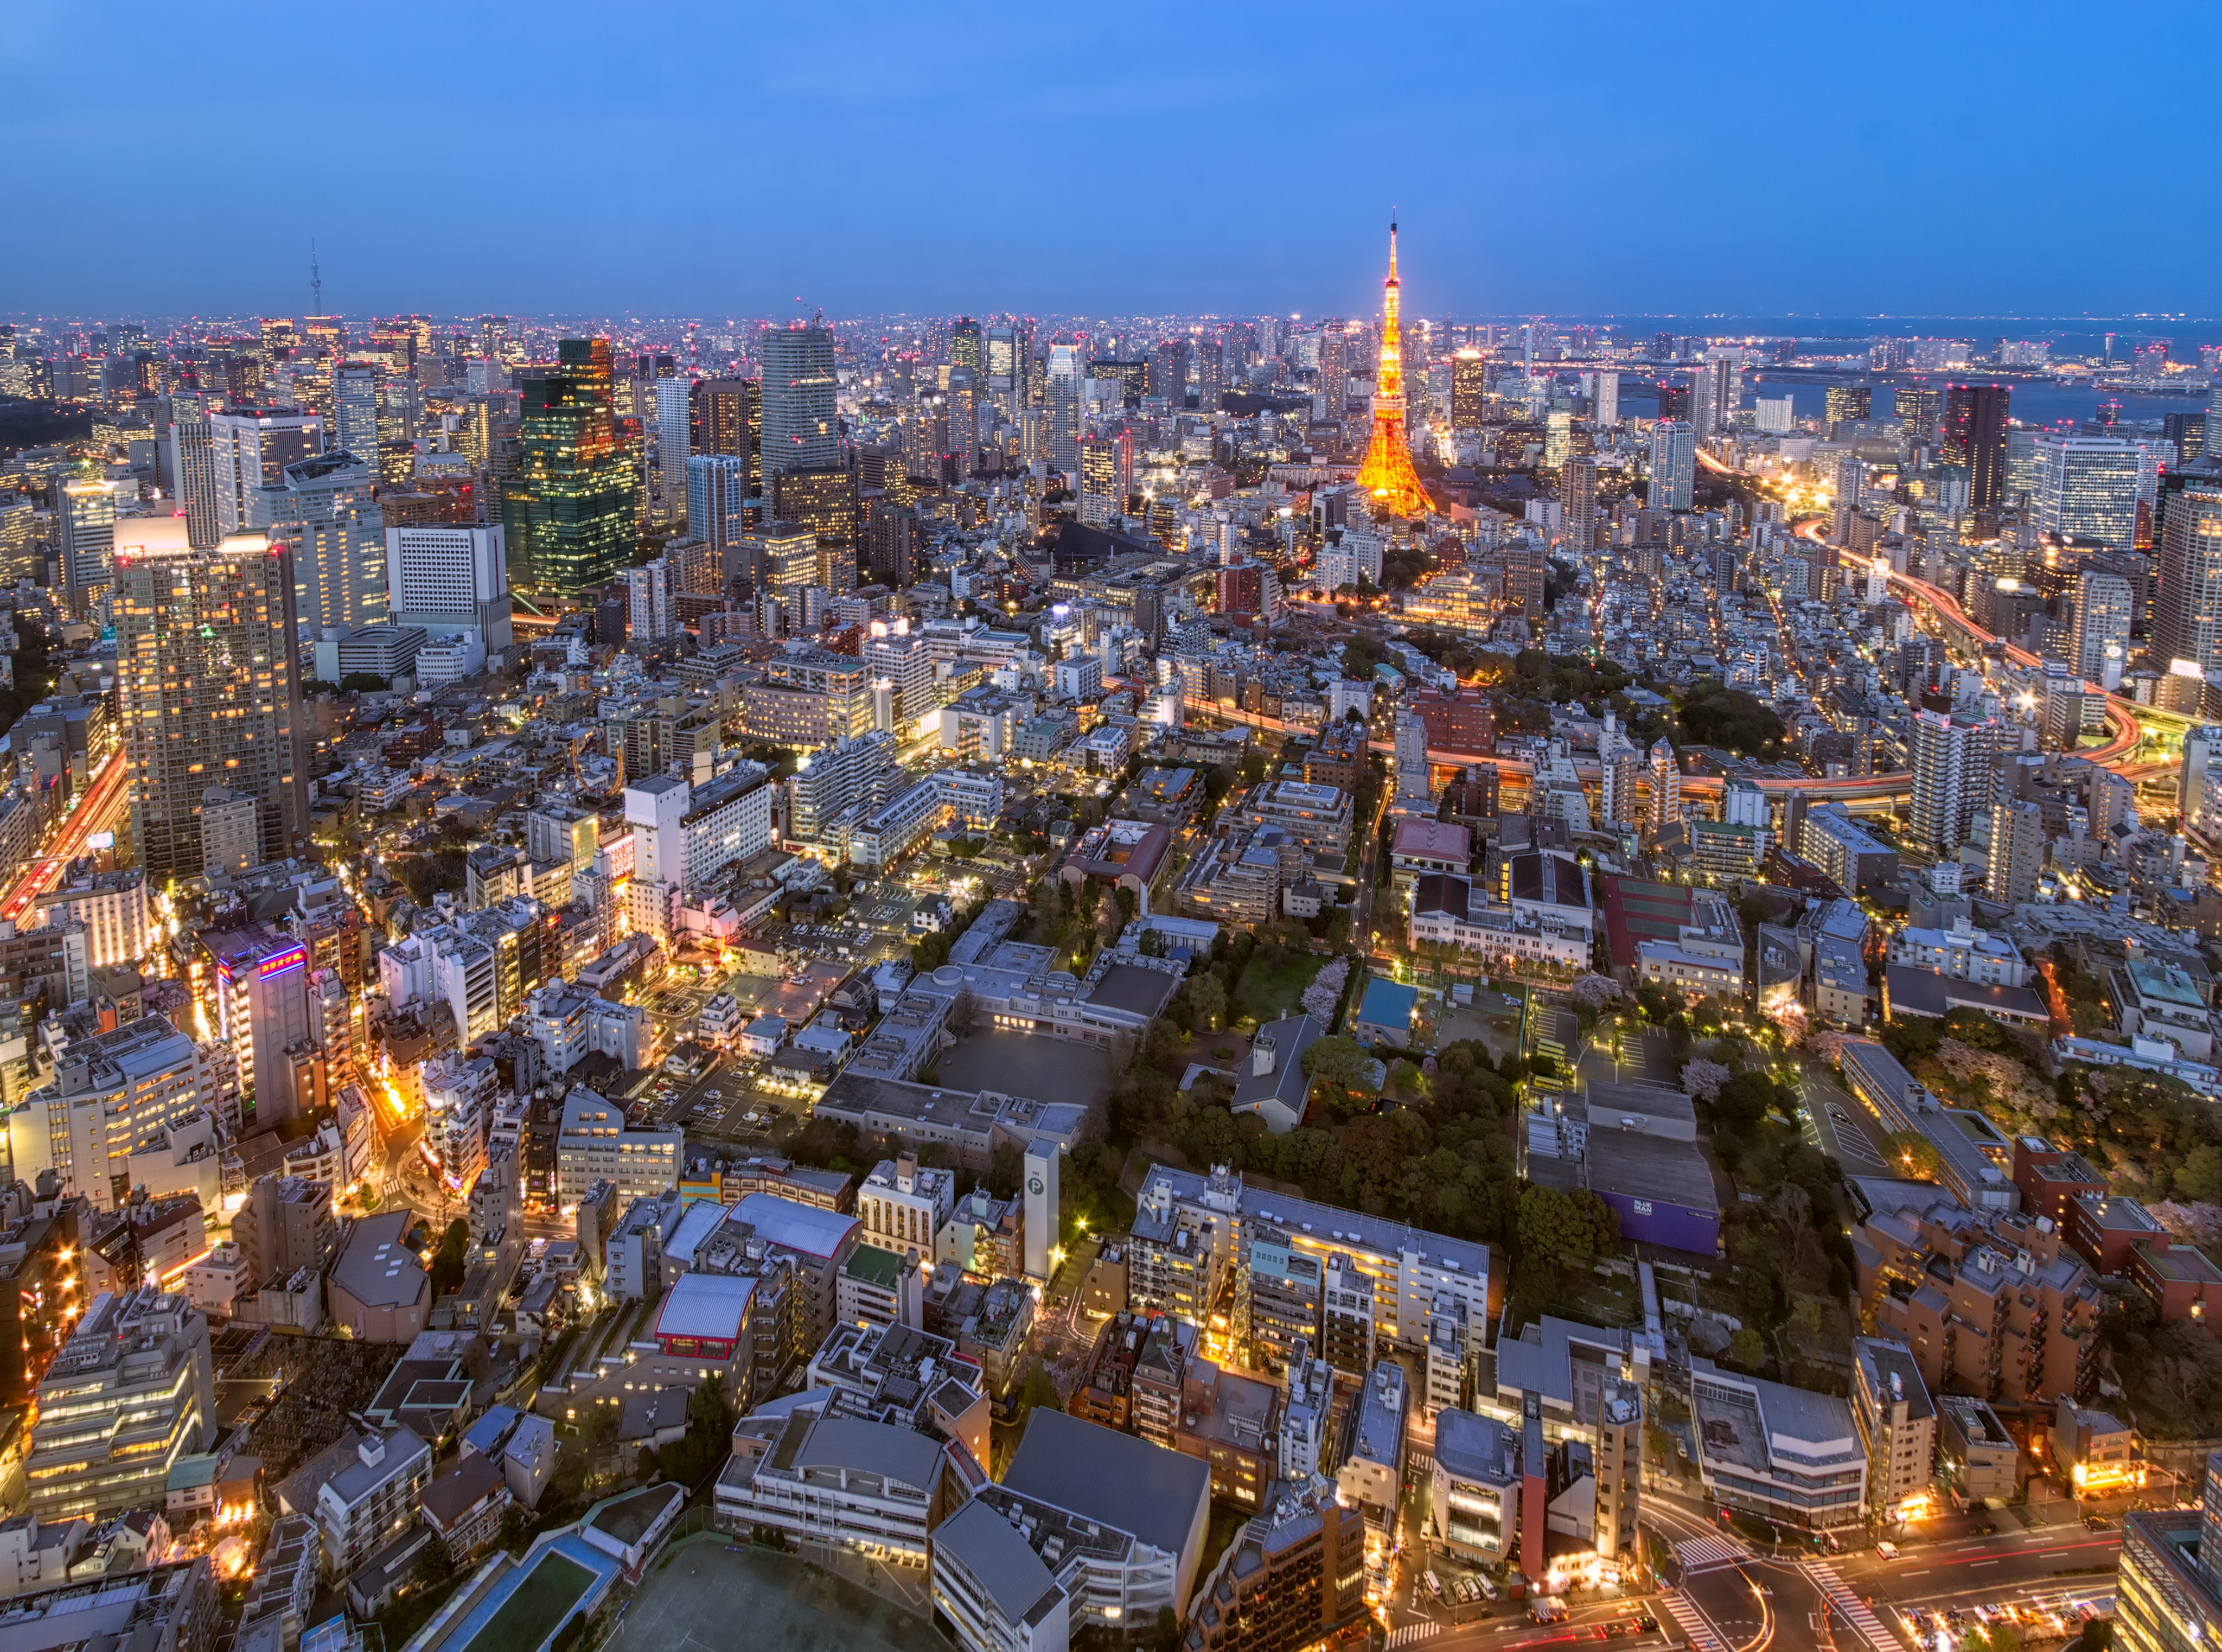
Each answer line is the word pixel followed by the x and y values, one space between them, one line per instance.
pixel 100 808
pixel 1875 791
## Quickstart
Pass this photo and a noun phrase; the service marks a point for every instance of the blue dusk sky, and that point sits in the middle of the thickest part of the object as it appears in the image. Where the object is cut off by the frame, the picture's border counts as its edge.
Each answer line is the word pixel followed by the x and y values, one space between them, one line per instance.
pixel 736 160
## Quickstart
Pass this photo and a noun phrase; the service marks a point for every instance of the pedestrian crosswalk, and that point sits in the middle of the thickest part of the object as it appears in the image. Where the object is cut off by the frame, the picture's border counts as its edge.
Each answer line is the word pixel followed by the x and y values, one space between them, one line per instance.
pixel 1412 1632
pixel 1854 1609
pixel 1702 1635
pixel 1708 1554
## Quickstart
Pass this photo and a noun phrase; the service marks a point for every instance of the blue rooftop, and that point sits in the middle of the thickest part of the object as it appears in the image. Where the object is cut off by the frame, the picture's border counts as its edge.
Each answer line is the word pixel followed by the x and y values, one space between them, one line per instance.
pixel 487 1432
pixel 1388 1004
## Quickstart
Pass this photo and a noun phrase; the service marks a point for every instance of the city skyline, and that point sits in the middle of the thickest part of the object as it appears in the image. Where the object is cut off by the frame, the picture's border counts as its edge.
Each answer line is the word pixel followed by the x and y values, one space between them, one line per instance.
pixel 532 203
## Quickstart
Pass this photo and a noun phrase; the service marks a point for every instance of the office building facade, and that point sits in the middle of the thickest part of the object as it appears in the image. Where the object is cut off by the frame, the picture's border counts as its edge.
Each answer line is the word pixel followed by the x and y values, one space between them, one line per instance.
pixel 1973 438
pixel 568 513
pixel 800 427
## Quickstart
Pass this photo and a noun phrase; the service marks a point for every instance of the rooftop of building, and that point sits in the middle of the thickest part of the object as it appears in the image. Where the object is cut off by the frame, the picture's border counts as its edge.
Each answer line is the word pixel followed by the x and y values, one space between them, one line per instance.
pixel 1645 1166
pixel 980 1539
pixel 375 1264
pixel 1478 1448
pixel 1102 1475
pixel 1889 1373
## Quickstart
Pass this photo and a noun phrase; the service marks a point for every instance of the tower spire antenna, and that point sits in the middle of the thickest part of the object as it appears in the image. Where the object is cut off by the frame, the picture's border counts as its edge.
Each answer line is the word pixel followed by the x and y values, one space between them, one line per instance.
pixel 315 279
pixel 1387 472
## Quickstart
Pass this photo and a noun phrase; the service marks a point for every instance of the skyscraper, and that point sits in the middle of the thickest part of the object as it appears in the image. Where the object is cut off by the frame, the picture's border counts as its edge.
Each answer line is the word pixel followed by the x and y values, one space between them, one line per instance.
pixel 192 466
pixel 1107 476
pixel 728 419
pixel 1665 787
pixel 262 1012
pixel 1952 777
pixel 1470 389
pixel 1605 403
pixel 2017 852
pixel 2088 488
pixel 1387 472
pixel 674 441
pixel 1673 466
pixel 801 430
pixel 964 343
pixel 355 413
pixel 998 365
pixel 1210 374
pixel 964 408
pixel 209 689
pixel 1063 397
pixel 1846 404
pixel 567 515
pixel 1974 436
pixel 1724 383
pixel 717 502
pixel 325 509
pixel 250 448
pixel 84 526
pixel 1169 371
pixel 2168 1586
pixel 2102 621
pixel 1620 765
pixel 1920 409
pixel 2186 619
pixel 648 606
pixel 1558 437
pixel 1578 501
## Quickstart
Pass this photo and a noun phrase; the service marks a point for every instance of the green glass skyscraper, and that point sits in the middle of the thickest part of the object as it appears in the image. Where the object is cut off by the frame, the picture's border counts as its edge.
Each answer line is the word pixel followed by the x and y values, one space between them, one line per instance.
pixel 569 515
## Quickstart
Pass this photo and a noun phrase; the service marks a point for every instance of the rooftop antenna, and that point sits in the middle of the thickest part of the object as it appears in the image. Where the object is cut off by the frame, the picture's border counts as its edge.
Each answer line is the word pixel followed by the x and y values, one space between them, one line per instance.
pixel 315 279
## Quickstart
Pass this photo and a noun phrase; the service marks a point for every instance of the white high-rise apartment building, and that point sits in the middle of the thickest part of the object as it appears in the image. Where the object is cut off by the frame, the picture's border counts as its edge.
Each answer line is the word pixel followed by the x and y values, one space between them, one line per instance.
pixel 1620 763
pixel 648 596
pixel 1743 803
pixel 1665 787
pixel 2202 751
pixel 858 774
pixel 1952 777
pixel 2088 488
pixel 2102 622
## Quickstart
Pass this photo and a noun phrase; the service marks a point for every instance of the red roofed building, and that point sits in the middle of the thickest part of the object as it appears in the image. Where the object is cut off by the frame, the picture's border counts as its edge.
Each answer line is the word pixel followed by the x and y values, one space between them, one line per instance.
pixel 1422 847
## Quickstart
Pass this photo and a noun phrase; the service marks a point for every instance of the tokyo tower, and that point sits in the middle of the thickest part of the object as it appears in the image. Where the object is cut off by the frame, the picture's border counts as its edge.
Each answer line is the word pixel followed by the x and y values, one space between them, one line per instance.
pixel 1387 474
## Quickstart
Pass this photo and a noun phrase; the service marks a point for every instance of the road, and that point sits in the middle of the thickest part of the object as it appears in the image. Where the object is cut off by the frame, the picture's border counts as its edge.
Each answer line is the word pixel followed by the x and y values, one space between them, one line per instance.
pixel 2124 714
pixel 1873 789
pixel 100 808
pixel 1722 1593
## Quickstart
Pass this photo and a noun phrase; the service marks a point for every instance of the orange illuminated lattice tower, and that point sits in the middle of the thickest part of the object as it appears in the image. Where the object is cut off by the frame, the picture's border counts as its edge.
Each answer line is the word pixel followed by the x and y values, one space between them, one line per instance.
pixel 1387 474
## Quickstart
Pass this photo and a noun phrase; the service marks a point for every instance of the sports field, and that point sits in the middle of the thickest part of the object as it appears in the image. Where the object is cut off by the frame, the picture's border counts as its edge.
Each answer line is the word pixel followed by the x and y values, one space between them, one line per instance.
pixel 704 1597
pixel 535 1609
